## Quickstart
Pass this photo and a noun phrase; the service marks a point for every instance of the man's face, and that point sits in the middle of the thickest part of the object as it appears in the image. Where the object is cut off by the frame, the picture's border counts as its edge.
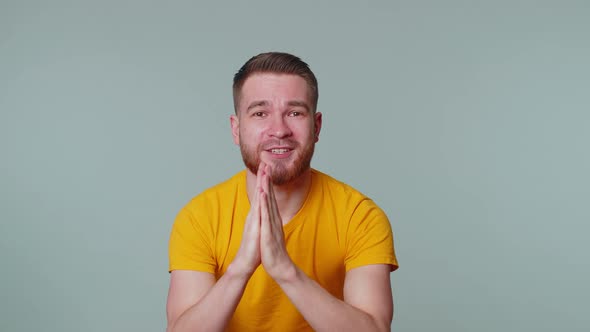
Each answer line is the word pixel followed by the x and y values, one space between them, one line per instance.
pixel 275 123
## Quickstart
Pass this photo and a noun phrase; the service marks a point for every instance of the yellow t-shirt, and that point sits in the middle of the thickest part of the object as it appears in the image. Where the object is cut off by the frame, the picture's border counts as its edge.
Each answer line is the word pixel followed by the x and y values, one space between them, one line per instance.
pixel 336 229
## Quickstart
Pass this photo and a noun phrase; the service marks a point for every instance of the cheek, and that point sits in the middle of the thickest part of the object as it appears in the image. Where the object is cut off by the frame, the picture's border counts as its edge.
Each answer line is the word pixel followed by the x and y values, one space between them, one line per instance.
pixel 251 136
pixel 305 132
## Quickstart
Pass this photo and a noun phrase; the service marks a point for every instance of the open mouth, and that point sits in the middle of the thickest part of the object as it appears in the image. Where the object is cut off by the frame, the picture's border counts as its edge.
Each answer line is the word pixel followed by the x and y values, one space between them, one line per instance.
pixel 279 151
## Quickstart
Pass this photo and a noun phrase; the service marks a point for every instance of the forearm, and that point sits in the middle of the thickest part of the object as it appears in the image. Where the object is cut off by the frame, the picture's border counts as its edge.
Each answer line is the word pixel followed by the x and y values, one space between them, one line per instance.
pixel 215 309
pixel 323 311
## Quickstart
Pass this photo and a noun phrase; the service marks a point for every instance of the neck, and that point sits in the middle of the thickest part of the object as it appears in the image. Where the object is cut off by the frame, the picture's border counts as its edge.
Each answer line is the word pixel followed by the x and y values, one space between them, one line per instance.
pixel 290 196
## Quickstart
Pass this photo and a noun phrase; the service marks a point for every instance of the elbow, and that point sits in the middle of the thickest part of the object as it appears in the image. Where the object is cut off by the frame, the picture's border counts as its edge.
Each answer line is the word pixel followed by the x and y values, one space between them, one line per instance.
pixel 170 327
pixel 381 325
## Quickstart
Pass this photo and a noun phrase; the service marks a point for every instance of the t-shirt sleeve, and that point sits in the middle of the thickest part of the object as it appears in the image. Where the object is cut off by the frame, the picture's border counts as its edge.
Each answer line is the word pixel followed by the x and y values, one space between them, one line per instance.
pixel 369 238
pixel 190 246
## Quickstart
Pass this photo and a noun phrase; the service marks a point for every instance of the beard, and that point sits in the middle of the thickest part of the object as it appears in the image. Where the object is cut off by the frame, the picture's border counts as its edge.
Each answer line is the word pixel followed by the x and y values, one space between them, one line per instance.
pixel 283 170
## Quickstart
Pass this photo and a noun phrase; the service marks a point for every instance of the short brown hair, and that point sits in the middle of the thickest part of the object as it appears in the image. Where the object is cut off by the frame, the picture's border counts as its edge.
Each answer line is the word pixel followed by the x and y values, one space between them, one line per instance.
pixel 277 63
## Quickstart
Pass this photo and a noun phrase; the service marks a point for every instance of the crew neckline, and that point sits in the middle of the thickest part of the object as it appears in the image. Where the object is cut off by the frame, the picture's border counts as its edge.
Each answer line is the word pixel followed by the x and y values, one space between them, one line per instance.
pixel 298 218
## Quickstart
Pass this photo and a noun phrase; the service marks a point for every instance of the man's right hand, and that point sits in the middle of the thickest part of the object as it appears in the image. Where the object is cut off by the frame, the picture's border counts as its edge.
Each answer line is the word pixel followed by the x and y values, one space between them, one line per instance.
pixel 248 257
pixel 197 300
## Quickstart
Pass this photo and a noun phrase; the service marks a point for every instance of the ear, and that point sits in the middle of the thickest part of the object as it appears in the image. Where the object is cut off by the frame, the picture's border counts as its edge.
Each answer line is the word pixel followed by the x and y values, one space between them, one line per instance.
pixel 235 128
pixel 317 125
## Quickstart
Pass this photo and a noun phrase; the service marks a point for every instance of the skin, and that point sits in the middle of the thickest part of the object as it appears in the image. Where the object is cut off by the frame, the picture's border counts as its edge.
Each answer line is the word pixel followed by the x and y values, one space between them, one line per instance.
pixel 275 112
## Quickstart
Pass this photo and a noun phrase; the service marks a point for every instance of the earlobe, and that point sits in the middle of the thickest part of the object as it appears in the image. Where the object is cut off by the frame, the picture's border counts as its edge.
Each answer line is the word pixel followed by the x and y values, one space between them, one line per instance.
pixel 235 128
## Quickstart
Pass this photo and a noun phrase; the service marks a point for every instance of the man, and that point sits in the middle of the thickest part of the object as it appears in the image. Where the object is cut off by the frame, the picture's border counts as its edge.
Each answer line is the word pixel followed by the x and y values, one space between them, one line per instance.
pixel 279 246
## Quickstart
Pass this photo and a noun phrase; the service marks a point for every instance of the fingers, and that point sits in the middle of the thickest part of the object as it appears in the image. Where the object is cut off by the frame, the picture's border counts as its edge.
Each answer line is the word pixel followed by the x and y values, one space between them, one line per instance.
pixel 264 217
pixel 270 206
pixel 262 197
pixel 253 219
pixel 271 201
pixel 248 256
pixel 266 185
pixel 256 210
pixel 265 179
pixel 259 179
pixel 255 200
pixel 265 211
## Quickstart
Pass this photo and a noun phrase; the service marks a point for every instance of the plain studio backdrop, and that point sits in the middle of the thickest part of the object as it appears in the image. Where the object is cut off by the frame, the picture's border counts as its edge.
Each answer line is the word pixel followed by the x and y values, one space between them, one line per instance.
pixel 466 121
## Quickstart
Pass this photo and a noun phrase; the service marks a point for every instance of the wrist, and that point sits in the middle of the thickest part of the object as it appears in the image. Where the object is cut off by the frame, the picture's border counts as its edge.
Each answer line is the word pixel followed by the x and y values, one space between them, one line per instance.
pixel 287 274
pixel 236 271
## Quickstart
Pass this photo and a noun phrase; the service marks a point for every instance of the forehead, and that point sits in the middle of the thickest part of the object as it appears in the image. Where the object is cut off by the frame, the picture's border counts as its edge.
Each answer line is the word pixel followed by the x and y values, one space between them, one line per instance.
pixel 274 88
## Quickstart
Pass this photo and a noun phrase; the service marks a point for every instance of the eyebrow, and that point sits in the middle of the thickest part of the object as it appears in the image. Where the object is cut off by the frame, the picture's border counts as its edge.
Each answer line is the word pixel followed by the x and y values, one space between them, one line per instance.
pixel 257 103
pixel 299 103
pixel 262 103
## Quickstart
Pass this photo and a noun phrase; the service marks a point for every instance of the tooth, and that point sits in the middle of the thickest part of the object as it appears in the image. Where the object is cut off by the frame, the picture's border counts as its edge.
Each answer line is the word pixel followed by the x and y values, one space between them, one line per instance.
pixel 278 151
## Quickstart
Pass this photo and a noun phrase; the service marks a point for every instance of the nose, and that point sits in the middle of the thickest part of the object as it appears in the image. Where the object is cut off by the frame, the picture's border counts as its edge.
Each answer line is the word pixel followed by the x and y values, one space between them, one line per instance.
pixel 279 127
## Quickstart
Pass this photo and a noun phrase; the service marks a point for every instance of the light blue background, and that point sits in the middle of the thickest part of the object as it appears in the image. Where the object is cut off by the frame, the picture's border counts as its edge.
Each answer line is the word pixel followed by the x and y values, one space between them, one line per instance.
pixel 467 121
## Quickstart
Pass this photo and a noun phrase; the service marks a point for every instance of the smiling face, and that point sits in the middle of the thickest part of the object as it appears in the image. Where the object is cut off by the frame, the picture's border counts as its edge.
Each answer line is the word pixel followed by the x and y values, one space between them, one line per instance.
pixel 275 123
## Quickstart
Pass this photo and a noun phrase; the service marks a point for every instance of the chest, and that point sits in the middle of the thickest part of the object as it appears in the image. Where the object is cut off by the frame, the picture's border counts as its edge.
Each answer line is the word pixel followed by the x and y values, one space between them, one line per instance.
pixel 317 246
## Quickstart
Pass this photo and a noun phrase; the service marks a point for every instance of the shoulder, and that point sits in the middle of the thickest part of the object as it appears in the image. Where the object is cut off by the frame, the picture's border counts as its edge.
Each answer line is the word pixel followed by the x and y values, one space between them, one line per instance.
pixel 218 193
pixel 337 189
pixel 352 203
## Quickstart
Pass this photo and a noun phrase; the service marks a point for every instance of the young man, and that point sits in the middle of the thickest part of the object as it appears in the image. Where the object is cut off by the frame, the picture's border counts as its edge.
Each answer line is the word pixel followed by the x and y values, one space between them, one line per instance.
pixel 279 246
